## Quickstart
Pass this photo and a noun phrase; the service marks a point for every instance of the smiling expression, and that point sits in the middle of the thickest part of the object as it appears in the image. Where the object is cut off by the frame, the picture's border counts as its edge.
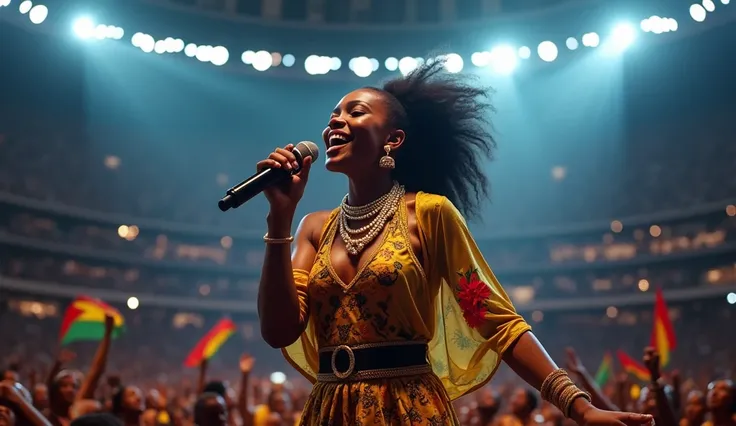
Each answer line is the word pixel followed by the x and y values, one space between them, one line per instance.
pixel 357 132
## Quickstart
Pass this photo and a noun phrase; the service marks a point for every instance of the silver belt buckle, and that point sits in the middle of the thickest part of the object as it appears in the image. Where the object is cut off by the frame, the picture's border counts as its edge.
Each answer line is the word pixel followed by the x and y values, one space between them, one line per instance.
pixel 351 365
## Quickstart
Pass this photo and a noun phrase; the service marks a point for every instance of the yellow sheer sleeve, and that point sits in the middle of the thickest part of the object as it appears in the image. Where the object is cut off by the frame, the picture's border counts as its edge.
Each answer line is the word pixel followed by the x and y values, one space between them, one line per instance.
pixel 301 278
pixel 475 320
pixel 302 354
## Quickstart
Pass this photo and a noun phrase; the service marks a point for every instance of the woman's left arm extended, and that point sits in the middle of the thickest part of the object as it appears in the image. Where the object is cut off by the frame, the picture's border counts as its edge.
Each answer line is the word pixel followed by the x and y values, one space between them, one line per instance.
pixel 531 362
pixel 492 323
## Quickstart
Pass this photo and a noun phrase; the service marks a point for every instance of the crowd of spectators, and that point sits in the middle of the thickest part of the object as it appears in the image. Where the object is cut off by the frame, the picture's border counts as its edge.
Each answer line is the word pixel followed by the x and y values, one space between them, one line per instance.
pixel 96 274
pixel 141 358
pixel 40 245
pixel 609 243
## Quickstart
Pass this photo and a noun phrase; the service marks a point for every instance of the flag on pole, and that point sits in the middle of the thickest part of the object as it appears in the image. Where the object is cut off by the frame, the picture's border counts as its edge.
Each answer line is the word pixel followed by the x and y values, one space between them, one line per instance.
pixel 211 342
pixel 632 367
pixel 663 334
pixel 605 370
pixel 84 319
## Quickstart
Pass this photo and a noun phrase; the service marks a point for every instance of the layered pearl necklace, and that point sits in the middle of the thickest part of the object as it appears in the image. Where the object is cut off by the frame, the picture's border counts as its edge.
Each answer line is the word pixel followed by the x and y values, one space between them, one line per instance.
pixel 380 210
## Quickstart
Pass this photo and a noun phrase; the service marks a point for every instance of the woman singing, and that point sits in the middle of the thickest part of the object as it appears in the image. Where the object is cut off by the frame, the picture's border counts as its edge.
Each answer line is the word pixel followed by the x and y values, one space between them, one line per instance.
pixel 386 303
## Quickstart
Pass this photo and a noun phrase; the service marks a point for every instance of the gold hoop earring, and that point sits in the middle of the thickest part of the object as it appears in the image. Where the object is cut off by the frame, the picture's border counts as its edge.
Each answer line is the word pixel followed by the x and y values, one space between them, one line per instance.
pixel 386 161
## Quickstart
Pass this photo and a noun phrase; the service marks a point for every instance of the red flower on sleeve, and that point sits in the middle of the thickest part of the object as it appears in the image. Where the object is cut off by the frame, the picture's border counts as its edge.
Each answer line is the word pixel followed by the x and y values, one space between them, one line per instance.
pixel 472 294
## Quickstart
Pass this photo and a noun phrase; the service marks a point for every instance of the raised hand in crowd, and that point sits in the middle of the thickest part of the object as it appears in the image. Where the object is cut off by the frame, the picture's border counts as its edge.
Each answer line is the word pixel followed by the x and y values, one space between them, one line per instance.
pixel 246 366
pixel 63 359
pixel 16 403
pixel 621 391
pixel 576 366
pixel 99 363
pixel 658 392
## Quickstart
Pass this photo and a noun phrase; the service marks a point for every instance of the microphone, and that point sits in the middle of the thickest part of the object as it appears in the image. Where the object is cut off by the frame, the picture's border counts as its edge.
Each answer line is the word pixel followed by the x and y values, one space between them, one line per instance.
pixel 254 185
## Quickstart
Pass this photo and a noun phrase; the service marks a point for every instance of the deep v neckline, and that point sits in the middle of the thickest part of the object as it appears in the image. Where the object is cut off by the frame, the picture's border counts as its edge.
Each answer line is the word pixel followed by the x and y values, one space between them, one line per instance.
pixel 374 252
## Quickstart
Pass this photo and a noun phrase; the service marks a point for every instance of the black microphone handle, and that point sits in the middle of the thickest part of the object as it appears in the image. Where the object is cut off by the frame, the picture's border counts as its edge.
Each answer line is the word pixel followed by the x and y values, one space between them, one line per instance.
pixel 249 188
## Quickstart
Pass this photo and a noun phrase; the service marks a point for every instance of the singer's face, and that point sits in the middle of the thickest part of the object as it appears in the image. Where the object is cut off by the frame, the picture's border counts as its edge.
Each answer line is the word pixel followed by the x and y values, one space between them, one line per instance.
pixel 356 133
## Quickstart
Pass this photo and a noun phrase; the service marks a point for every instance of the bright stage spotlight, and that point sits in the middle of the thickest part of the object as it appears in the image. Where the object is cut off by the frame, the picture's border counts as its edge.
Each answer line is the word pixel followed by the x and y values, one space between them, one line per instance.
pixel 407 64
pixel 622 36
pixel 262 60
pixel 503 59
pixel 697 12
pixel 391 64
pixel 220 56
pixel 547 51
pixel 38 14
pixel 362 66
pixel 84 28
pixel 454 63
pixel 25 7
pixel 591 40
pixel 480 59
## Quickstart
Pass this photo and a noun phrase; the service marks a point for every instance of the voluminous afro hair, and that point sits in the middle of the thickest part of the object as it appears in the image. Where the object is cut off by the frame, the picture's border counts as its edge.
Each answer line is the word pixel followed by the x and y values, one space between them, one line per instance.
pixel 446 119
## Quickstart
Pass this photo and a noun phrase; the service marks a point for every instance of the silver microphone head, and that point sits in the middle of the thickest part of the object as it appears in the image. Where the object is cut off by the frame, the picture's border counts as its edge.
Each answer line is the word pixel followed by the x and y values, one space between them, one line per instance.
pixel 306 149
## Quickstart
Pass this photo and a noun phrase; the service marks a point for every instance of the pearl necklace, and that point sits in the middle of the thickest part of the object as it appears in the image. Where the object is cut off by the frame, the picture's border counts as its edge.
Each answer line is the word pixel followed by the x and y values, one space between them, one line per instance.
pixel 380 210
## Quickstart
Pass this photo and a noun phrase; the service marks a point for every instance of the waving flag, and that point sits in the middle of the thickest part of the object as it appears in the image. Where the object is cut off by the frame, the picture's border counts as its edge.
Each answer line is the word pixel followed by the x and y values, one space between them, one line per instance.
pixel 632 367
pixel 605 370
pixel 84 319
pixel 211 342
pixel 663 334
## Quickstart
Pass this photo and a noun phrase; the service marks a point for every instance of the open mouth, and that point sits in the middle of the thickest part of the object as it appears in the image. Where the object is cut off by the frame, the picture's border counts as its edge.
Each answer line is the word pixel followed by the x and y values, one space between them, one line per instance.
pixel 338 139
pixel 337 142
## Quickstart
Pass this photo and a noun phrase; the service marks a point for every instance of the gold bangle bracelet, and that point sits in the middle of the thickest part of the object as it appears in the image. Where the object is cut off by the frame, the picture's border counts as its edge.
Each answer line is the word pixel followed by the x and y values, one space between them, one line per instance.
pixel 566 398
pixel 269 240
pixel 573 398
pixel 550 380
pixel 560 391
pixel 561 396
pixel 554 387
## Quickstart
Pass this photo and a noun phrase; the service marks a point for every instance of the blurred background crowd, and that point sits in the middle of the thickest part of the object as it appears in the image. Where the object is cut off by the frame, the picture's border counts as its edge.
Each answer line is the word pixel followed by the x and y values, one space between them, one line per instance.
pixel 121 125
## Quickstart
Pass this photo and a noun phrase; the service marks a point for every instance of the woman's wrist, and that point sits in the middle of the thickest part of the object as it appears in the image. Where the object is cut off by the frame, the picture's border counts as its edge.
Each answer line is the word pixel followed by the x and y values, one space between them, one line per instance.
pixel 279 224
pixel 579 407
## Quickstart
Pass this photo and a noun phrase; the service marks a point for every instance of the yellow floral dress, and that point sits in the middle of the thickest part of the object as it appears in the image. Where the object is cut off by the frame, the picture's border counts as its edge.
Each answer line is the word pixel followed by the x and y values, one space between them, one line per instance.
pixel 454 303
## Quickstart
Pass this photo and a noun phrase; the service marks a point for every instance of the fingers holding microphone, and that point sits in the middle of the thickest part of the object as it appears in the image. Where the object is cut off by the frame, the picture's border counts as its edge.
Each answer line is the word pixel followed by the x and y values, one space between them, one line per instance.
pixel 303 173
pixel 280 158
pixel 281 177
pixel 284 158
pixel 288 193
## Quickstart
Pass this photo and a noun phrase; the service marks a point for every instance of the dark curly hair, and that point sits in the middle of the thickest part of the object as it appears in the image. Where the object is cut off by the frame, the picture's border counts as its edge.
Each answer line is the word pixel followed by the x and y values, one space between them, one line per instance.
pixel 446 119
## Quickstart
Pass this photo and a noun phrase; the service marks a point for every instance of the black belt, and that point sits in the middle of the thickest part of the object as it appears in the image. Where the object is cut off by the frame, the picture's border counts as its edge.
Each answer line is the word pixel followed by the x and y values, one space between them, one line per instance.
pixel 377 360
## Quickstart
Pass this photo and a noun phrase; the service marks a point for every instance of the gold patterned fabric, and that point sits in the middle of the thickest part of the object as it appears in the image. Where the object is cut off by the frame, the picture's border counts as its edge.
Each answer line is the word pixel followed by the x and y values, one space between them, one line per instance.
pixel 454 302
